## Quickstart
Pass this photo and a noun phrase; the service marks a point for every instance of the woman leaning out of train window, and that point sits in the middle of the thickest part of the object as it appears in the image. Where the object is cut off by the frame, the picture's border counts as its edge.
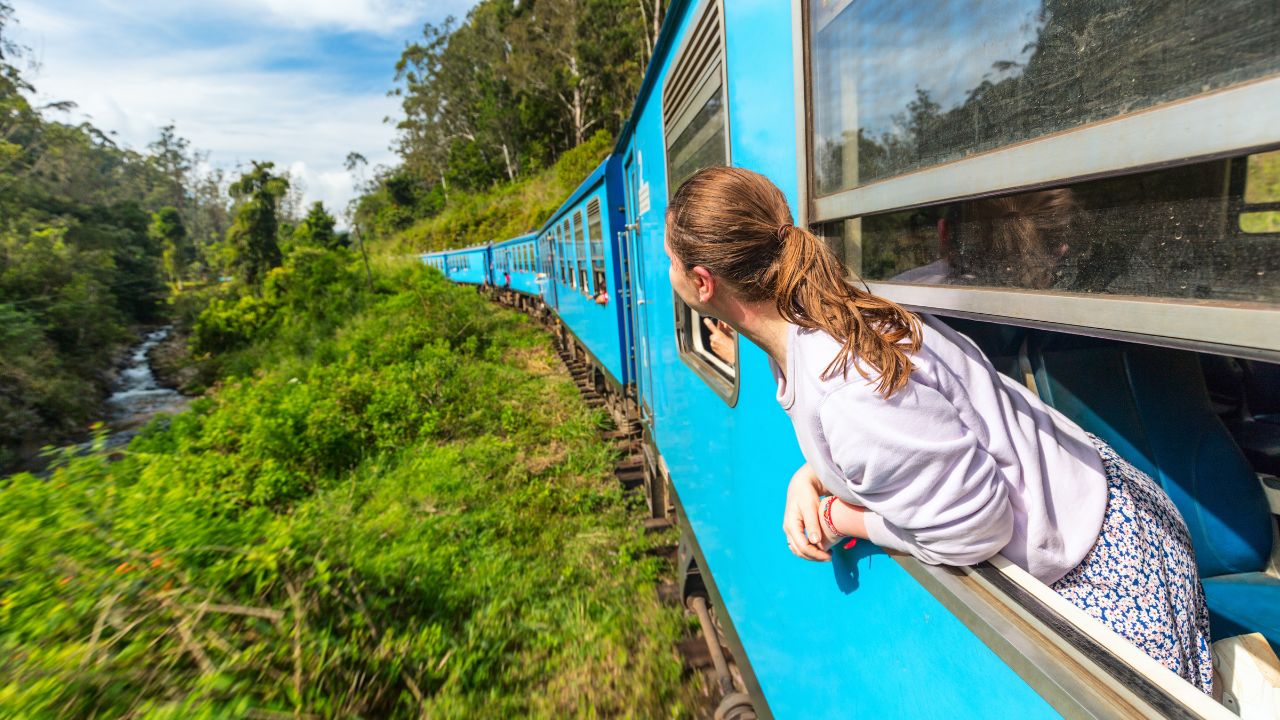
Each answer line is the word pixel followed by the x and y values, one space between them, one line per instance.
pixel 915 442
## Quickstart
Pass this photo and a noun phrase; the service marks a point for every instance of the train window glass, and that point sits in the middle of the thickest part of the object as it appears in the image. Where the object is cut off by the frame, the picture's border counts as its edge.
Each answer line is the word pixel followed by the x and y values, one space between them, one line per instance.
pixel 567 233
pixel 580 244
pixel 595 229
pixel 710 348
pixel 564 260
pixel 696 134
pixel 1260 213
pixel 695 124
pixel 1166 234
pixel 897 86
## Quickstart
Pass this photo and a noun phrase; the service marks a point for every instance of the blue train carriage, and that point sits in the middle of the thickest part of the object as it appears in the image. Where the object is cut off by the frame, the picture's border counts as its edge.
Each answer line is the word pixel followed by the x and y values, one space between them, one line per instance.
pixel 579 250
pixel 1100 222
pixel 437 260
pixel 515 265
pixel 471 265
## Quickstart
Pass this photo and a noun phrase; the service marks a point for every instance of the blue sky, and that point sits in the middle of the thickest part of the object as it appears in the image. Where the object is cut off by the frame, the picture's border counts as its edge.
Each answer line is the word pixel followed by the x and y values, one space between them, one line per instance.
pixel 297 82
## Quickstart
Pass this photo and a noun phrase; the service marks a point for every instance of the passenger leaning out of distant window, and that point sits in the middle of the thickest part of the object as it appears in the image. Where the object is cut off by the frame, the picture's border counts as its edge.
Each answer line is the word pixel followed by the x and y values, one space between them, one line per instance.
pixel 602 297
pixel 915 442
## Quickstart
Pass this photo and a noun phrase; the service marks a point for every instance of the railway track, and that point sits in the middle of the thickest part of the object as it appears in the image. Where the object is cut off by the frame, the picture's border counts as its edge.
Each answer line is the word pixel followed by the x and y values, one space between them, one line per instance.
pixel 637 471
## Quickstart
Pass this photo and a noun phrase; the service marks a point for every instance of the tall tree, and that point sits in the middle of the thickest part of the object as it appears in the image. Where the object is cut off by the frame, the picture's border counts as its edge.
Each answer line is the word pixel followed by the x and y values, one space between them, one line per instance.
pixel 168 230
pixel 252 237
pixel 316 230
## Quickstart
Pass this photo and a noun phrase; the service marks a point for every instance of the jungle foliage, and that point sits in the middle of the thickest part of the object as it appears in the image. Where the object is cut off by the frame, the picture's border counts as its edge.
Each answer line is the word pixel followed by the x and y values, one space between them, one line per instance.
pixel 498 98
pixel 90 233
pixel 96 238
pixel 410 516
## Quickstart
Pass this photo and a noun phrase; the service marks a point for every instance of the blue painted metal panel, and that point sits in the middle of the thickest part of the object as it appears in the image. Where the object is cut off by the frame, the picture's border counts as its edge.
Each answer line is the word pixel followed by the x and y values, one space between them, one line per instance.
pixel 518 258
pixel 857 636
pixel 476 269
pixel 594 324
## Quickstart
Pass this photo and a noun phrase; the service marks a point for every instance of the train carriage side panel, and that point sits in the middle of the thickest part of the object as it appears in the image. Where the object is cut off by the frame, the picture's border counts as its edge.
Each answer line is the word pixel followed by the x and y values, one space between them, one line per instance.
pixel 585 261
pixel 821 639
pixel 471 265
pixel 516 257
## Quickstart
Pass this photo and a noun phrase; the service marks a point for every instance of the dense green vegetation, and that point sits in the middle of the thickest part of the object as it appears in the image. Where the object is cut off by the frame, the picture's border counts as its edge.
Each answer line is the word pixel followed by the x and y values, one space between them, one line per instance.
pixel 390 501
pixel 97 239
pixel 396 506
pixel 89 231
pixel 497 100
pixel 505 211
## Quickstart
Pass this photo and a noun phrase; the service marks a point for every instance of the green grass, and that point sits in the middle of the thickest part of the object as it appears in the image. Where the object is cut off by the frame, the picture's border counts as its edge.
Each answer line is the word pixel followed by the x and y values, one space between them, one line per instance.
pixel 411 516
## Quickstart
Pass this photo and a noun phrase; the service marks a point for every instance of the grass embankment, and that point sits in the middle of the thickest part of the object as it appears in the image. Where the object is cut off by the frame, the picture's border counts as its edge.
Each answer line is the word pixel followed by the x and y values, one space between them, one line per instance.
pixel 411 514
pixel 506 211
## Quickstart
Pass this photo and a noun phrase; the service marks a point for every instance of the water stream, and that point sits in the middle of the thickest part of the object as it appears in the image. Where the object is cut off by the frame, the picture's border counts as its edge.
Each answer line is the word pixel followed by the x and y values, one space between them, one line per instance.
pixel 136 396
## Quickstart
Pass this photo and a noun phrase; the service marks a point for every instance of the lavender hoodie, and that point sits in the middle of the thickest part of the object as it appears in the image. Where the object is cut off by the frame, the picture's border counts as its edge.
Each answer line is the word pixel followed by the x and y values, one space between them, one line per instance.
pixel 960 464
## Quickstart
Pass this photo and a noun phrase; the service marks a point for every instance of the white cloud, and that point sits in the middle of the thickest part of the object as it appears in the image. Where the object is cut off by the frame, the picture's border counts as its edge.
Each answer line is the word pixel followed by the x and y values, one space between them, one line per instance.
pixel 241 93
pixel 379 16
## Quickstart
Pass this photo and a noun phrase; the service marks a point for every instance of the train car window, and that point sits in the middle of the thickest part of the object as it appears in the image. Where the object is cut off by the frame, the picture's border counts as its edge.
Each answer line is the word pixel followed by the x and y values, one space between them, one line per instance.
pixel 1260 212
pixel 888 99
pixel 595 229
pixel 580 244
pixel 564 261
pixel 696 132
pixel 695 123
pixel 566 232
pixel 710 348
pixel 1166 234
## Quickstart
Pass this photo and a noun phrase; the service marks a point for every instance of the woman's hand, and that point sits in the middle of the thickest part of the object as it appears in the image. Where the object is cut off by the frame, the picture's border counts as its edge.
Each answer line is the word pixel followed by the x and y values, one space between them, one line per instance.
pixel 721 339
pixel 800 522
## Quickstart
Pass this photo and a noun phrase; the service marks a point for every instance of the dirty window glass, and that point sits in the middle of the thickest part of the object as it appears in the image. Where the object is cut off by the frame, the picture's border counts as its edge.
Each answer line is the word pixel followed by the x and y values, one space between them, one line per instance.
pixel 701 144
pixel 897 86
pixel 1168 234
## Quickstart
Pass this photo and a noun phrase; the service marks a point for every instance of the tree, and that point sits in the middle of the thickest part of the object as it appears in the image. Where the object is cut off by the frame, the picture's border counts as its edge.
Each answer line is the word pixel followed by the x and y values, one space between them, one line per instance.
pixel 252 237
pixel 168 230
pixel 173 162
pixel 316 230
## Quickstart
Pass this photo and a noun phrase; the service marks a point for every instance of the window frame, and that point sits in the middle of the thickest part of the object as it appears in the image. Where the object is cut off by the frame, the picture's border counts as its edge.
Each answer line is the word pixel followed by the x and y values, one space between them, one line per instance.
pixel 693 89
pixel 595 240
pixel 1236 120
pixel 581 251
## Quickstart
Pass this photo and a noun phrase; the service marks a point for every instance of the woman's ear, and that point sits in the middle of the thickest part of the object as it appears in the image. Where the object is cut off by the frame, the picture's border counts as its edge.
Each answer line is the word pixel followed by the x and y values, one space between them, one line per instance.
pixel 704 282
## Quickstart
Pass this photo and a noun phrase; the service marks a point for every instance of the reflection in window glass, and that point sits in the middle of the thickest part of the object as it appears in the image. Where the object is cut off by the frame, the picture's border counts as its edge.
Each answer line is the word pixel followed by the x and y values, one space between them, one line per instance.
pixel 701 144
pixel 1168 234
pixel 899 85
pixel 1261 211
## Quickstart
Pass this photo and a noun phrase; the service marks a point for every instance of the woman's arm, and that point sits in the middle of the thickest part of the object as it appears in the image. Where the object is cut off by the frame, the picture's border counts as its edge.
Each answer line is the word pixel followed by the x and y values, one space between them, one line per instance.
pixel 930 487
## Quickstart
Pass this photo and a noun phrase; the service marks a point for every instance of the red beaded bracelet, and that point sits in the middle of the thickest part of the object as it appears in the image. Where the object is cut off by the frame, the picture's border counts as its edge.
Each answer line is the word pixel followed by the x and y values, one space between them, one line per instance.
pixel 826 515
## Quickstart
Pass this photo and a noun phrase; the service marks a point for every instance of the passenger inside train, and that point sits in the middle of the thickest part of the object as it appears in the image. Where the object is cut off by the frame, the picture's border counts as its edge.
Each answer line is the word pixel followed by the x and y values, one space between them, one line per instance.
pixel 924 447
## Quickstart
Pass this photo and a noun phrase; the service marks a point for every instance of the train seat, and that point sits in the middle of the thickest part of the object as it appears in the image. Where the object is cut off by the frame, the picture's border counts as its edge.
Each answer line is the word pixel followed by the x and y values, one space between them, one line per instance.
pixel 1246 395
pixel 1152 406
pixel 1000 343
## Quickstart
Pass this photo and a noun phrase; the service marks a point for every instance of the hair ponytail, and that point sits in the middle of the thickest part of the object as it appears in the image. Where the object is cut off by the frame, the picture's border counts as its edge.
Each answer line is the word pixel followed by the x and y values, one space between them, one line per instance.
pixel 813 291
pixel 736 223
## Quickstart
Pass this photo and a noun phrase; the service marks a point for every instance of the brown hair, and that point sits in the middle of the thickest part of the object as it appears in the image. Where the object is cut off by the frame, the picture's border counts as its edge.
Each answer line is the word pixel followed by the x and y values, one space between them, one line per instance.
pixel 736 224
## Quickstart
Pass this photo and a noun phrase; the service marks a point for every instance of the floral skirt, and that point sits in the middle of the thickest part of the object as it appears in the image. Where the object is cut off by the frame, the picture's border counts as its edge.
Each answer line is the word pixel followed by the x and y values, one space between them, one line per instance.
pixel 1140 577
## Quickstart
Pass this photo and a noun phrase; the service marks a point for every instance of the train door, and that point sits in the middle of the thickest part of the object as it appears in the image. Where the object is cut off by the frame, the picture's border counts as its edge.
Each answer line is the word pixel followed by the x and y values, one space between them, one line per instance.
pixel 549 289
pixel 643 370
